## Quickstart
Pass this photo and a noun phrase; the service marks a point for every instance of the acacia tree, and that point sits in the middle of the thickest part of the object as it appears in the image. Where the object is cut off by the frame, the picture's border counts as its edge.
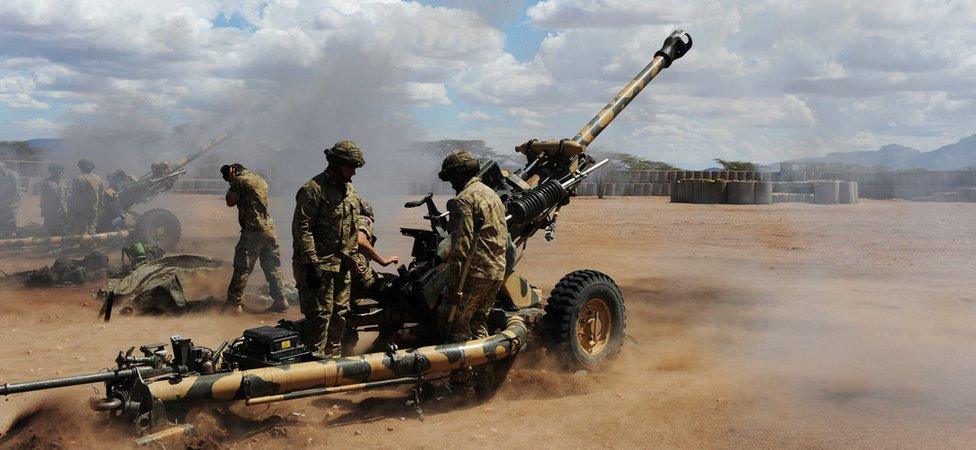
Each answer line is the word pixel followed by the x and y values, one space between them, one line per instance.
pixel 737 166
pixel 620 167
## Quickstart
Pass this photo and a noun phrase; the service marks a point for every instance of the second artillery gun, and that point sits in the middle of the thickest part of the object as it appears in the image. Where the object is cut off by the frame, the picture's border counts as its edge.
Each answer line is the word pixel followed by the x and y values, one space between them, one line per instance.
pixel 583 319
pixel 117 218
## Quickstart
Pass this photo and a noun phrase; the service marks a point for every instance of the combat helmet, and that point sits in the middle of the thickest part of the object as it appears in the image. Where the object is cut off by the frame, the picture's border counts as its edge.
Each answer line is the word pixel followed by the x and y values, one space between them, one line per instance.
pixel 86 165
pixel 459 161
pixel 345 153
pixel 55 168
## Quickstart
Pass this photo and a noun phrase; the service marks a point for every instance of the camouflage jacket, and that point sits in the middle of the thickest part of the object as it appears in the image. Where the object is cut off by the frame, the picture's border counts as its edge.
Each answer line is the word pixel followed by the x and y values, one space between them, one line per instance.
pixel 253 210
pixel 478 200
pixel 9 186
pixel 364 224
pixel 54 197
pixel 86 193
pixel 324 228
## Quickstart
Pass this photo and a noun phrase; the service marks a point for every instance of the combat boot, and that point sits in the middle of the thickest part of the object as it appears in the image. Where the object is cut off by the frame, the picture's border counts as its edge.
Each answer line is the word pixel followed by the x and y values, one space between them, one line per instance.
pixel 279 306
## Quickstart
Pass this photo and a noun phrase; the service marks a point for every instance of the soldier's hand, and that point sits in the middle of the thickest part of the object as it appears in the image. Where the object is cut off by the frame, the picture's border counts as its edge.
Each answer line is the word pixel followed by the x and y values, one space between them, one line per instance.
pixel 313 276
pixel 390 260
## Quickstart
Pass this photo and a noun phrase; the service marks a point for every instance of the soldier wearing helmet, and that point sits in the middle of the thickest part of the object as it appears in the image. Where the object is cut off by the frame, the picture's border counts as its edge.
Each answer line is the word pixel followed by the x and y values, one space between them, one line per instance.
pixel 54 200
pixel 463 315
pixel 86 199
pixel 325 233
pixel 364 277
pixel 368 283
pixel 9 200
pixel 248 192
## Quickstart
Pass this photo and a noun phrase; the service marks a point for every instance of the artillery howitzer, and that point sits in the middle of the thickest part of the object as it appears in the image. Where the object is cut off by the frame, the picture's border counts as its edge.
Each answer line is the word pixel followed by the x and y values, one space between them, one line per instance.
pixel 117 219
pixel 583 319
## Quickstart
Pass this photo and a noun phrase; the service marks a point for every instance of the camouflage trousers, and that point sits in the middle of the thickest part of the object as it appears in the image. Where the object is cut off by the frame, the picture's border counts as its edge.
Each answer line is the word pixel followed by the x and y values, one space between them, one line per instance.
pixel 324 308
pixel 82 222
pixel 8 220
pixel 253 247
pixel 471 315
pixel 54 223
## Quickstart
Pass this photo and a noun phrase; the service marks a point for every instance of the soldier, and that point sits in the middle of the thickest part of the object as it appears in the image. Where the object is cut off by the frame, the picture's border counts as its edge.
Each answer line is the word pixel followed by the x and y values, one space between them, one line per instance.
pixel 259 238
pixel 86 199
pixel 9 201
pixel 366 281
pixel 54 200
pixel 464 313
pixel 325 235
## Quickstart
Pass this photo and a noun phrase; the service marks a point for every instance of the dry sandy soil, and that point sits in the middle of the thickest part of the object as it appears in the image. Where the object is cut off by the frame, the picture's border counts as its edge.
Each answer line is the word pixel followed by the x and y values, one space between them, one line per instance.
pixel 789 325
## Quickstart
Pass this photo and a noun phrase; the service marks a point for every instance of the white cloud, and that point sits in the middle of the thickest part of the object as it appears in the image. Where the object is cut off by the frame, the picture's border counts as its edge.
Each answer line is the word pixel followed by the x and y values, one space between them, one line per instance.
pixel 473 116
pixel 603 13
pixel 764 79
pixel 40 125
pixel 426 94
pixel 85 108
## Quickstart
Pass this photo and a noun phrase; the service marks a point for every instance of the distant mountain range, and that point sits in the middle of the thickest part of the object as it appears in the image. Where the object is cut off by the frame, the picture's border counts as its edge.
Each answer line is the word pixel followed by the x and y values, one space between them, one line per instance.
pixel 50 144
pixel 955 156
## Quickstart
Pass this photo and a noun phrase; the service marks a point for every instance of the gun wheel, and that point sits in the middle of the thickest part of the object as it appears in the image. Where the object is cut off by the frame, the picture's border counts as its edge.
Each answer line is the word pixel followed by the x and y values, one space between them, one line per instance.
pixel 160 227
pixel 586 316
pixel 593 326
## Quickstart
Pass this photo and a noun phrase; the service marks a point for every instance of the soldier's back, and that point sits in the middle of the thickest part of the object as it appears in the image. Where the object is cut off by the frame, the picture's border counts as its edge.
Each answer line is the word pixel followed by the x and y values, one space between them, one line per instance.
pixel 254 210
pixel 490 262
pixel 86 190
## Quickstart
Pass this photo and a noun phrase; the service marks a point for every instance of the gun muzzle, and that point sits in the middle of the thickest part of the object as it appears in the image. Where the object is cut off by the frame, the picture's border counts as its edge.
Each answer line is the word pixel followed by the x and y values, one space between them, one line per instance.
pixel 674 47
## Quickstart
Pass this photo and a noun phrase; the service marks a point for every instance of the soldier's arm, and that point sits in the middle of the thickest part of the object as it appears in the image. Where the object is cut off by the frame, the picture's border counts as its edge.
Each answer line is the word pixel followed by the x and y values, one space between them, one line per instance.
pixel 233 194
pixel 366 247
pixel 462 230
pixel 306 210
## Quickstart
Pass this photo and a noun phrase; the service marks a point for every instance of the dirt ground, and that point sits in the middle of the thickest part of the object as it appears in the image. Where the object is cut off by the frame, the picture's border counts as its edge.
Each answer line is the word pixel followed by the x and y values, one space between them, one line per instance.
pixel 789 325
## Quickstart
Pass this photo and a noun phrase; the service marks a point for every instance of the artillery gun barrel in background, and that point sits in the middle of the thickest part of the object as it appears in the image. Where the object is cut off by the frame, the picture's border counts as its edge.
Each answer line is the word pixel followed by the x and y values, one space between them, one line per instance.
pixel 186 160
pixel 150 185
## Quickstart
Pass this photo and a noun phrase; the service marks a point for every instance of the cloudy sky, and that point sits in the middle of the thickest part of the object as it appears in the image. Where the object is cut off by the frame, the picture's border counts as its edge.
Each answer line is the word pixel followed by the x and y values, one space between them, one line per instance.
pixel 766 80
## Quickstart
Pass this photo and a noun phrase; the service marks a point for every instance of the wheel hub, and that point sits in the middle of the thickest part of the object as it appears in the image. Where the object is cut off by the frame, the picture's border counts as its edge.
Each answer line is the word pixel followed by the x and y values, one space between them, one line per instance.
pixel 593 326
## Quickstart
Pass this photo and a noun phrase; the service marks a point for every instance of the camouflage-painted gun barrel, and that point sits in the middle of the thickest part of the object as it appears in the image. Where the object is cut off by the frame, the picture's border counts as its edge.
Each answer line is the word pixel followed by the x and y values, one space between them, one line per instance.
pixel 675 46
pixel 71 240
pixel 369 368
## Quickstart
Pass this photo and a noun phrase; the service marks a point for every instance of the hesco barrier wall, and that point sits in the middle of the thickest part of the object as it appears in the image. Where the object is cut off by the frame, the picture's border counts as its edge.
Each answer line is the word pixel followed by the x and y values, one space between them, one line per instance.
pixel 901 184
pixel 907 185
pixel 659 182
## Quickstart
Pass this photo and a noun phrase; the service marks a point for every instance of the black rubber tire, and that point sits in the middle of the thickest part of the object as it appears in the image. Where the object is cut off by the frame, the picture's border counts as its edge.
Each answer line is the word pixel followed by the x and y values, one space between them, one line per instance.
pixel 160 227
pixel 563 312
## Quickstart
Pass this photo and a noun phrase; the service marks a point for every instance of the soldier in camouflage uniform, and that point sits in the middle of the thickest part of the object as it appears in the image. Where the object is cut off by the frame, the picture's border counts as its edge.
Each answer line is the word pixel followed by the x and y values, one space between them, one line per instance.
pixel 259 238
pixel 54 200
pixel 474 202
pixel 9 201
pixel 366 281
pixel 325 234
pixel 86 200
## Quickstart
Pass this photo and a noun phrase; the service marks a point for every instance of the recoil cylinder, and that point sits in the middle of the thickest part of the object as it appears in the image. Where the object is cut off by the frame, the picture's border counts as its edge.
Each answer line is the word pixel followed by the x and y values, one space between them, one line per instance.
pixel 540 199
